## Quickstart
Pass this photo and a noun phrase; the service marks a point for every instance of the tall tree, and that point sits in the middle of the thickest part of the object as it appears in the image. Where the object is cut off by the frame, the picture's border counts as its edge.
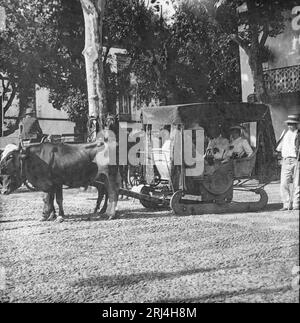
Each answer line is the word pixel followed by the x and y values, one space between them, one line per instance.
pixel 93 11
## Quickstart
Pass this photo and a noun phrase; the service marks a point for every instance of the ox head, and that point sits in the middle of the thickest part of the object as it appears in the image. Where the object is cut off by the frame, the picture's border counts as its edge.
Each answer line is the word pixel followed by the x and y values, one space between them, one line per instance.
pixel 10 184
pixel 10 169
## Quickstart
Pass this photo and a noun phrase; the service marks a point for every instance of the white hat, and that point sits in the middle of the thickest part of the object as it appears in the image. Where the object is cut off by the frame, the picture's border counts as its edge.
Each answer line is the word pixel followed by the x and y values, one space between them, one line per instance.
pixel 293 118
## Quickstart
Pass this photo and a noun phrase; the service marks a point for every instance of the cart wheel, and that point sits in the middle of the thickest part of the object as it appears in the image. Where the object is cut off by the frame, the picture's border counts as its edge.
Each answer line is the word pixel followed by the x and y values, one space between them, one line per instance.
pixel 148 205
pixel 30 186
pixel 177 206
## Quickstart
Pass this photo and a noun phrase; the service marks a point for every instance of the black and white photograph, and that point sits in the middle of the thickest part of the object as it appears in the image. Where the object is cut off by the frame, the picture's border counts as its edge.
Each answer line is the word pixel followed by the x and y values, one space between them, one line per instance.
pixel 149 154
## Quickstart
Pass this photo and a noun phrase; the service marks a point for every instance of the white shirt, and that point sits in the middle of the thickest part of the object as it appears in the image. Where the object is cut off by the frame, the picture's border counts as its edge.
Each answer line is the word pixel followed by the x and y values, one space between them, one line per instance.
pixel 287 145
pixel 239 146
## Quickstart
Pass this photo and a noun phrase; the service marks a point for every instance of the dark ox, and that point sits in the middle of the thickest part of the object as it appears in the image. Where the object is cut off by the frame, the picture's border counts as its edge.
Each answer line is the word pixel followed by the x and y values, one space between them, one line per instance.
pixel 49 166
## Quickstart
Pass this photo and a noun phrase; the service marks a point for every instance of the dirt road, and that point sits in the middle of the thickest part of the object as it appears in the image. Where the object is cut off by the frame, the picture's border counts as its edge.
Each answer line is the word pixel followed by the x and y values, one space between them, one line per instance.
pixel 146 256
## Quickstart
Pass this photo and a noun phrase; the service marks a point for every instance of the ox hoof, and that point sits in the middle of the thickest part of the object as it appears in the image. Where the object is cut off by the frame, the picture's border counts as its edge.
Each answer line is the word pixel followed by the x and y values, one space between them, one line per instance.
pixel 44 219
pixel 112 216
pixel 59 219
pixel 90 217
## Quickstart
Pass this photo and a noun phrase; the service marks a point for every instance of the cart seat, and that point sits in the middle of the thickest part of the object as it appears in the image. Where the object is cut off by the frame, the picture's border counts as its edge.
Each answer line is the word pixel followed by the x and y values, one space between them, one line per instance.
pixel 243 167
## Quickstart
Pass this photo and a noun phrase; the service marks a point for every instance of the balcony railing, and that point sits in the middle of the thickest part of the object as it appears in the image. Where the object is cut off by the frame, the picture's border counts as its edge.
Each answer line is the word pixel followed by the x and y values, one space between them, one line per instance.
pixel 283 80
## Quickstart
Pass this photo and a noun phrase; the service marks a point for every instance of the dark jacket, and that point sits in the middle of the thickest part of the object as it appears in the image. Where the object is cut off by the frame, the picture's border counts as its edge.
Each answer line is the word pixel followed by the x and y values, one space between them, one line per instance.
pixel 30 129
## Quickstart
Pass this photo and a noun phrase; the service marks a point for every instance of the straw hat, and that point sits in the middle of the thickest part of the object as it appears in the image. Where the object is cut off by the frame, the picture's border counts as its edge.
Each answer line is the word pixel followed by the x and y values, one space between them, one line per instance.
pixel 29 111
pixel 293 118
pixel 240 128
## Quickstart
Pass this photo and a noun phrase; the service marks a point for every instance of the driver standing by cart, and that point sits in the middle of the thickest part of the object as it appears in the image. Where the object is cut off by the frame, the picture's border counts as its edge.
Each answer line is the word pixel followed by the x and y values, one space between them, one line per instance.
pixel 29 128
pixel 290 151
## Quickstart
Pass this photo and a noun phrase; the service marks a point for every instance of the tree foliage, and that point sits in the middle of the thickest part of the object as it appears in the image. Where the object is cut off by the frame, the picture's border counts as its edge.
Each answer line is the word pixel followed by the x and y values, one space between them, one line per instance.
pixel 24 45
pixel 183 61
pixel 254 22
pixel 187 60
pixel 203 63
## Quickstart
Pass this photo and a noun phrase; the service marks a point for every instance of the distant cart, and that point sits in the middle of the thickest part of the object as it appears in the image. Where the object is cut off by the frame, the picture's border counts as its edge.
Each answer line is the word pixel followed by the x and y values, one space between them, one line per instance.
pixel 165 182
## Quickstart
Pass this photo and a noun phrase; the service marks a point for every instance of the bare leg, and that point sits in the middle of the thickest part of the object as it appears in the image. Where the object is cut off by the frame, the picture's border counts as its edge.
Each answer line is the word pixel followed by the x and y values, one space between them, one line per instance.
pixel 49 210
pixel 121 169
pixel 59 201
pixel 113 193
pixel 296 193
pixel 102 193
pixel 287 170
pixel 99 199
pixel 126 171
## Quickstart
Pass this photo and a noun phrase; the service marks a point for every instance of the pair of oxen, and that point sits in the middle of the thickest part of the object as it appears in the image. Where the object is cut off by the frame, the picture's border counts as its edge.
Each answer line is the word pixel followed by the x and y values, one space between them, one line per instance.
pixel 49 167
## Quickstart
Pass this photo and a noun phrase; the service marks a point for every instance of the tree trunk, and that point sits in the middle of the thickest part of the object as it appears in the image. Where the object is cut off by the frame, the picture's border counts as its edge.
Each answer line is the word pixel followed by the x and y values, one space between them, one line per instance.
pixel 258 77
pixel 26 98
pixel 93 11
pixel 8 88
pixel 254 54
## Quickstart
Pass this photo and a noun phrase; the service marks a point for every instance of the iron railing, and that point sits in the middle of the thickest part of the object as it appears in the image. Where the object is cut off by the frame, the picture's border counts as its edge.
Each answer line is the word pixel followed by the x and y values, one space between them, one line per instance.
pixel 282 80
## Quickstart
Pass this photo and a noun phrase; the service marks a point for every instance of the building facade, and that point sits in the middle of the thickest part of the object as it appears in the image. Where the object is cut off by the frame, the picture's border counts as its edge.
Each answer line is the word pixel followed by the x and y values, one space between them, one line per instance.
pixel 281 75
pixel 52 121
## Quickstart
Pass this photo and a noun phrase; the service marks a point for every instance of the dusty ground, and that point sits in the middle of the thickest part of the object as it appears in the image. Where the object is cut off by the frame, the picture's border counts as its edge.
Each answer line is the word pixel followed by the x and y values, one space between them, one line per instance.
pixel 146 256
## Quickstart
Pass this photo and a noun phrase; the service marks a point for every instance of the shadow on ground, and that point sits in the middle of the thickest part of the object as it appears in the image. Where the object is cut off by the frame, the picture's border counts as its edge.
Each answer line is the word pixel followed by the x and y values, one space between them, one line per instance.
pixel 126 280
pixel 128 214
pixel 122 215
pixel 223 295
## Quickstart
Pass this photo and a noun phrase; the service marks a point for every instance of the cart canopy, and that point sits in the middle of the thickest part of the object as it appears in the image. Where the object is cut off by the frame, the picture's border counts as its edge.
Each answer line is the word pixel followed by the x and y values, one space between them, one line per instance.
pixel 206 113
pixel 221 114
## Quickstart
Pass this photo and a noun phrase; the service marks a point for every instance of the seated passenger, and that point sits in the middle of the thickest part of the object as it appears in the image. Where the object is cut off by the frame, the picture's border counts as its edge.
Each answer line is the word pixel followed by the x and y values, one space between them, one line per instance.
pixel 217 145
pixel 239 147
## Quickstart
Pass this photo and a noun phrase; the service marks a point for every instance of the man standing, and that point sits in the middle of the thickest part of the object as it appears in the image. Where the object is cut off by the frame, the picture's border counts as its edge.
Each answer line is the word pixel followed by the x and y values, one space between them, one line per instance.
pixel 289 148
pixel 29 128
